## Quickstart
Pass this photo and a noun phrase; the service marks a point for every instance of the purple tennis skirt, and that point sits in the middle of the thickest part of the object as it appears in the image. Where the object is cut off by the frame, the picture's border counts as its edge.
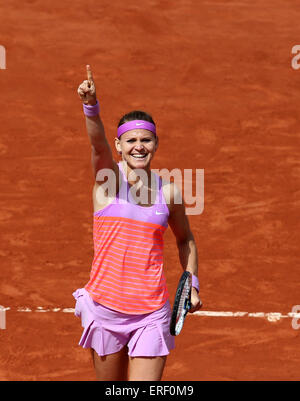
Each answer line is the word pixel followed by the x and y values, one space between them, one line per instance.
pixel 107 331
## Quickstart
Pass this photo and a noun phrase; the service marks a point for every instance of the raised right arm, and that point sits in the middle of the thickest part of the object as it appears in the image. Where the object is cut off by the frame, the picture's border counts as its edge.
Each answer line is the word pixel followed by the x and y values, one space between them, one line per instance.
pixel 101 151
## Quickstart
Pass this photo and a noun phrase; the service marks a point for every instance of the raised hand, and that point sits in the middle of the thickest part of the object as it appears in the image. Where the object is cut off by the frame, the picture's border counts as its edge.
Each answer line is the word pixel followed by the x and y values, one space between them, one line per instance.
pixel 87 90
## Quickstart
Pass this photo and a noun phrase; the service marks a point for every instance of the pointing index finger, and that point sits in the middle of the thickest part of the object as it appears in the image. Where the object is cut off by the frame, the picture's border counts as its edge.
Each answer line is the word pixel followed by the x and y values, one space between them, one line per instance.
pixel 89 73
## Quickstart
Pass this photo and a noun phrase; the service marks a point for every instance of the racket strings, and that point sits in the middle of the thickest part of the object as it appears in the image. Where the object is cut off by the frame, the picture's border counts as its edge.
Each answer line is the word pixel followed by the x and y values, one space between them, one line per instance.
pixel 181 303
pixel 183 299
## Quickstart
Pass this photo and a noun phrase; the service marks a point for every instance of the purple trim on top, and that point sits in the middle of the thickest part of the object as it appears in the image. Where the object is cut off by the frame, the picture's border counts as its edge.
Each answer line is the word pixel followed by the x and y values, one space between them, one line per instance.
pixel 122 205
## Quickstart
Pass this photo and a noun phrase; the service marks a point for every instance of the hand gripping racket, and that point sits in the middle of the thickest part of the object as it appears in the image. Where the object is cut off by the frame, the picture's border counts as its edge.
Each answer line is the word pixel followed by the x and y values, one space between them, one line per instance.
pixel 182 303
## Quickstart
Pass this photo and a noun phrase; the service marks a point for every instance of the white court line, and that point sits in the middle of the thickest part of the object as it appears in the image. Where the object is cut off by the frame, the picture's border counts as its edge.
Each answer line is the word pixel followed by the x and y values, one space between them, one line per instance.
pixel 40 309
pixel 270 316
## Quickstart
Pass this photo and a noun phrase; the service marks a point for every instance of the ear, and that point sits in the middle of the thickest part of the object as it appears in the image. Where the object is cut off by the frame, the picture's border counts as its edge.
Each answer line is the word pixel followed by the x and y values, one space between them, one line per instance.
pixel 118 146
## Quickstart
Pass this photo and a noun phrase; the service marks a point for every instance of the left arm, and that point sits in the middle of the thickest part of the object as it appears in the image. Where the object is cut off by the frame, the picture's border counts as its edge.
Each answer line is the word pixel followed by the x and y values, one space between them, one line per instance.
pixel 186 244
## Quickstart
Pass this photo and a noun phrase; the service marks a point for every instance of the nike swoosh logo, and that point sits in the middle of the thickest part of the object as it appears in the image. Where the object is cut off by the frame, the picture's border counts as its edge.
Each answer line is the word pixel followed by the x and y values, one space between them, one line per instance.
pixel 156 212
pixel 138 124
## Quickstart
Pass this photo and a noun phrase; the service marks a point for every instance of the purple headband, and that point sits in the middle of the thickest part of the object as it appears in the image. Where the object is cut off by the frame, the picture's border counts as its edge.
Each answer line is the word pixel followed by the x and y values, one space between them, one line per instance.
pixel 136 124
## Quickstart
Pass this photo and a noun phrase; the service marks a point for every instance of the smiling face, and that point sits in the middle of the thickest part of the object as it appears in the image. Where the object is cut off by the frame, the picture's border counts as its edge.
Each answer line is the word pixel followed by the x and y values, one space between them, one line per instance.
pixel 138 147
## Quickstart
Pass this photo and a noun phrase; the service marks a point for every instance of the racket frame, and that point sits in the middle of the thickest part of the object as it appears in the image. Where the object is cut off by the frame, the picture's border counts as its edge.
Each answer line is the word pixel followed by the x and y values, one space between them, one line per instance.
pixel 175 329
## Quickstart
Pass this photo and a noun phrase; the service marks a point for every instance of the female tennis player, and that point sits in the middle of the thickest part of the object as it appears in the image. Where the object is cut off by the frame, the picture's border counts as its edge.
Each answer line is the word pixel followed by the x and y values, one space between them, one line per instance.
pixel 124 307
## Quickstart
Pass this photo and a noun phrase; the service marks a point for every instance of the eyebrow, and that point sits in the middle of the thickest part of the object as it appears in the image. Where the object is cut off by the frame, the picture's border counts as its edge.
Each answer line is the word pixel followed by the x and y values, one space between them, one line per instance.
pixel 135 138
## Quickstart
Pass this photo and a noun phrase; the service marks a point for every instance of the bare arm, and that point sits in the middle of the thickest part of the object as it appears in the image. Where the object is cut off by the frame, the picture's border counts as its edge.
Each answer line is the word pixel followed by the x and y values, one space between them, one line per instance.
pixel 101 151
pixel 186 244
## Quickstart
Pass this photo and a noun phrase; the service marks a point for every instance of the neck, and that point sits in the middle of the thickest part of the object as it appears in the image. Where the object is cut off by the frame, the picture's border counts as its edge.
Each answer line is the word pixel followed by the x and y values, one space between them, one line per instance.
pixel 135 175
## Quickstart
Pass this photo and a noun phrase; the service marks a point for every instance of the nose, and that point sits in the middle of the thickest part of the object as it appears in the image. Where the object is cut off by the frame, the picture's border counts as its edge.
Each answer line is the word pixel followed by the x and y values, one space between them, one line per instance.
pixel 139 146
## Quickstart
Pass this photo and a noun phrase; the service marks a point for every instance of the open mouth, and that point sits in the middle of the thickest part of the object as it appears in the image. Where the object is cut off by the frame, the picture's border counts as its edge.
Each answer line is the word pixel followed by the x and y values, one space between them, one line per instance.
pixel 138 156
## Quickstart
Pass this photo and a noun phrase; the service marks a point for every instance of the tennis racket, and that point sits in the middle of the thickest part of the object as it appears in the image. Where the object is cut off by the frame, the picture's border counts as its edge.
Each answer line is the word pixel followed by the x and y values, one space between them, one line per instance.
pixel 182 303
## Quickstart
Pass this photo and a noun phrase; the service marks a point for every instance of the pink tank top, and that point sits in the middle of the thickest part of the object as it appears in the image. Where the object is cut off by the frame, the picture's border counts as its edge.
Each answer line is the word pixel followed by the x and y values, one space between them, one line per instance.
pixel 127 270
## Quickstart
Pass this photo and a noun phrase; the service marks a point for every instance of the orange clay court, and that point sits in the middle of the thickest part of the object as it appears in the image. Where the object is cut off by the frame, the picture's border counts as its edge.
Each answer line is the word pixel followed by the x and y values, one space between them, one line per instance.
pixel 217 78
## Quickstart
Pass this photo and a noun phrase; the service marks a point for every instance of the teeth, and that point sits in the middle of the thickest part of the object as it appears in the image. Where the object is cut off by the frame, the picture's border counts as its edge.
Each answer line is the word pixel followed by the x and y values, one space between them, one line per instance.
pixel 139 156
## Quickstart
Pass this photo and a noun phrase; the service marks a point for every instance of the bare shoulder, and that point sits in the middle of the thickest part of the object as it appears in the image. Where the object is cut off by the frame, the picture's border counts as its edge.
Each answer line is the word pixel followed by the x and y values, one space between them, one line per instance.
pixel 107 174
pixel 177 218
pixel 106 186
pixel 172 194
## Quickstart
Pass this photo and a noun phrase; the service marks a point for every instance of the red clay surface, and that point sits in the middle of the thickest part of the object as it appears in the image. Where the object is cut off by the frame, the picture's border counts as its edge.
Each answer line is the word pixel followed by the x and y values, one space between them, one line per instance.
pixel 216 76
